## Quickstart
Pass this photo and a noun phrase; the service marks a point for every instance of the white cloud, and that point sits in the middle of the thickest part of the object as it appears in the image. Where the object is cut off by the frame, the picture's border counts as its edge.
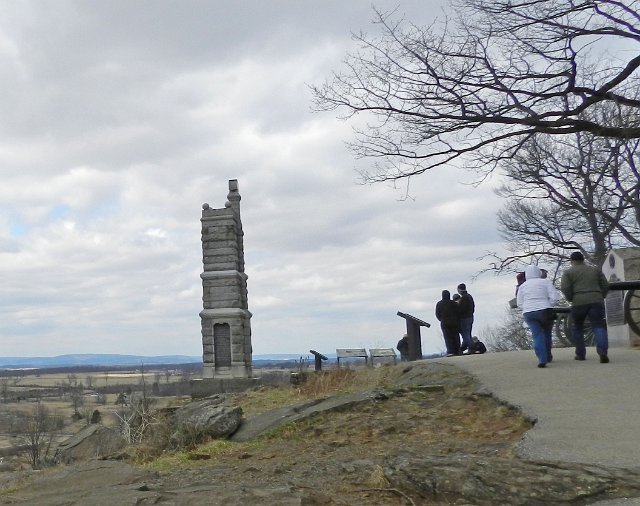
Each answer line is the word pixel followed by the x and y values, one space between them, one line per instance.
pixel 122 118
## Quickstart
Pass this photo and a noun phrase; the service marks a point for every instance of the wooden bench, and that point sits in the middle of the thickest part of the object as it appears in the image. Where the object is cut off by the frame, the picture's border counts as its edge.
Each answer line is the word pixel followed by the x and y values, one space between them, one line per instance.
pixel 352 353
pixel 382 353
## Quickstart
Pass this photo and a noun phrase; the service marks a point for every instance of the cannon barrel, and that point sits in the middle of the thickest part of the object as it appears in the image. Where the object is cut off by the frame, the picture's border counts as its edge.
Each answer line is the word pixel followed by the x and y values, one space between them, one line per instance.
pixel 613 285
pixel 624 285
pixel 631 307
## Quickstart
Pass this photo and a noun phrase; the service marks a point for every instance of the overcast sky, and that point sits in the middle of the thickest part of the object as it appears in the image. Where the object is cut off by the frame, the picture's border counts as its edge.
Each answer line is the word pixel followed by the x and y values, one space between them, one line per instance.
pixel 119 119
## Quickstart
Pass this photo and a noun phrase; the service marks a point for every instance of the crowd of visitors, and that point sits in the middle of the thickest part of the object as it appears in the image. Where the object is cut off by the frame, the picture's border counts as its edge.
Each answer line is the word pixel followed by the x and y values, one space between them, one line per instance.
pixel 455 315
pixel 583 286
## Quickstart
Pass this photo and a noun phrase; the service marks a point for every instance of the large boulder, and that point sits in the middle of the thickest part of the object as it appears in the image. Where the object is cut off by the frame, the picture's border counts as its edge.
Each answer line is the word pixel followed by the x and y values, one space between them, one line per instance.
pixel 208 418
pixel 93 441
pixel 465 479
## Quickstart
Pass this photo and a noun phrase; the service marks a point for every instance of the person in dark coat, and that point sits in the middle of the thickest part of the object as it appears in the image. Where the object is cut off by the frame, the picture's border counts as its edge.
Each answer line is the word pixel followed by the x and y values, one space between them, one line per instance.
pixel 586 287
pixel 448 316
pixel 467 308
pixel 456 298
pixel 403 348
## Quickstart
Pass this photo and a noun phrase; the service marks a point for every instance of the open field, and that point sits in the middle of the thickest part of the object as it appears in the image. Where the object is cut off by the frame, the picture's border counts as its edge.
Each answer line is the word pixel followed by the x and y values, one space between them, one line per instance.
pixel 72 398
pixel 23 378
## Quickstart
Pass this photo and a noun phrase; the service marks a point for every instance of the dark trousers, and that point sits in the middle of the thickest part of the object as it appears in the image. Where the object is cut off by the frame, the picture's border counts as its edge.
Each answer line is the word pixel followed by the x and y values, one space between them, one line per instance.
pixel 466 324
pixel 451 337
pixel 541 326
pixel 596 314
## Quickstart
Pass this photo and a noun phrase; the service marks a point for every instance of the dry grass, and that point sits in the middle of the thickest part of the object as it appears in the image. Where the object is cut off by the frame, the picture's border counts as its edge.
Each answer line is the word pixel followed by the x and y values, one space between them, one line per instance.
pixel 325 452
pixel 316 385
pixel 266 398
pixel 344 380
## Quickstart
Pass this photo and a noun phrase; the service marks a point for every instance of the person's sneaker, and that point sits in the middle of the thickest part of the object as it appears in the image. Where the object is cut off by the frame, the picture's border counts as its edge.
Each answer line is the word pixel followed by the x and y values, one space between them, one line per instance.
pixel 541 365
pixel 578 358
pixel 604 359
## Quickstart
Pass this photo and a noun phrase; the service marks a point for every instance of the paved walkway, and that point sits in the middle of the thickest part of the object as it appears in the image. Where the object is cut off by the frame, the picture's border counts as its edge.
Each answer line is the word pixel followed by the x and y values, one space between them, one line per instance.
pixel 586 412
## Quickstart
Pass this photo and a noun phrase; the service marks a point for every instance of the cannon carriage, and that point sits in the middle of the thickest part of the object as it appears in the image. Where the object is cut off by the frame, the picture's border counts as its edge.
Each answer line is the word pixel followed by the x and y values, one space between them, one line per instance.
pixel 631 312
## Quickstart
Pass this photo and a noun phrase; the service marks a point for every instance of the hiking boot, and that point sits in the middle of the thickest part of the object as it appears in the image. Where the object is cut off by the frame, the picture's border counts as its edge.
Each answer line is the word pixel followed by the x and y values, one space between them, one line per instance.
pixel 541 365
pixel 578 358
pixel 604 359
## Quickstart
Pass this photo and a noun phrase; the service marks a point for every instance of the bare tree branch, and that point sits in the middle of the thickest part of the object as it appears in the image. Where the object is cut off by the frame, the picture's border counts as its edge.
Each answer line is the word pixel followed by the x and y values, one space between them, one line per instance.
pixel 476 88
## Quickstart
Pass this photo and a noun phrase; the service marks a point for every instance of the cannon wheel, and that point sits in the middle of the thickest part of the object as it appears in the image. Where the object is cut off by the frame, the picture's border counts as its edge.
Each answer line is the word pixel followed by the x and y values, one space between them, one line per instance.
pixel 632 309
pixel 564 328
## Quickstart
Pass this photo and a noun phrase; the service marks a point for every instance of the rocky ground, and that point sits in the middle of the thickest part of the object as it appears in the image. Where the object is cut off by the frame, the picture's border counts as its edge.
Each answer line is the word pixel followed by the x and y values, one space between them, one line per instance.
pixel 428 438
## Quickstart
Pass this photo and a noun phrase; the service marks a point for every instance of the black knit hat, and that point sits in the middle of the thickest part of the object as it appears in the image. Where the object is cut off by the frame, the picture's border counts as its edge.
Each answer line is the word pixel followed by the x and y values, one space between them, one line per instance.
pixel 577 256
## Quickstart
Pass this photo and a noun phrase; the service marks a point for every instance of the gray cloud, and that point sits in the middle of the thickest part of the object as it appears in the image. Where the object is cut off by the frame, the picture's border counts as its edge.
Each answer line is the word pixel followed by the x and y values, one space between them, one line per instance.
pixel 121 118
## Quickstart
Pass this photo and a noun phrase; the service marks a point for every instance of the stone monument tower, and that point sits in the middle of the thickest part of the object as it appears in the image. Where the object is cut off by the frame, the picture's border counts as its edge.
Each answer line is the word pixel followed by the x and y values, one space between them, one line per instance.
pixel 226 320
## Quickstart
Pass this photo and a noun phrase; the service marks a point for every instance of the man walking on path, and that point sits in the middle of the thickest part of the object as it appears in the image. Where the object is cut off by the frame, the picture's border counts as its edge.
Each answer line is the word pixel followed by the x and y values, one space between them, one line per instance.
pixel 586 287
pixel 466 308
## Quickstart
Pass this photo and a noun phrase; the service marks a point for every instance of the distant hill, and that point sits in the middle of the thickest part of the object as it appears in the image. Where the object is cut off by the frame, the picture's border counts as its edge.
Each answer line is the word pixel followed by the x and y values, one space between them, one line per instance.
pixel 93 360
pixel 281 357
pixel 109 360
pixel 115 360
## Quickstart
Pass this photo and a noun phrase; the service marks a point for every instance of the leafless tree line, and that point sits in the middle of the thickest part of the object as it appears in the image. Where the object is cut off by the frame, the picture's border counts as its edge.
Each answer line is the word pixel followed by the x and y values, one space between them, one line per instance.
pixel 476 87
pixel 573 192
pixel 542 92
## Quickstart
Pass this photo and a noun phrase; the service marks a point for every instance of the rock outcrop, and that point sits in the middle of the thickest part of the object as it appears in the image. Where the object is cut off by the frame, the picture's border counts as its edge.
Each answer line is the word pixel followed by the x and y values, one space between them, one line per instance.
pixel 493 480
pixel 260 424
pixel 208 418
pixel 93 441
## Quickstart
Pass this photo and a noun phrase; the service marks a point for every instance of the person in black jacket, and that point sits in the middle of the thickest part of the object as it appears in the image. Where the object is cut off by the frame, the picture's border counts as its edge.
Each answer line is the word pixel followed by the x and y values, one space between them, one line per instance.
pixel 448 316
pixel 467 308
pixel 403 348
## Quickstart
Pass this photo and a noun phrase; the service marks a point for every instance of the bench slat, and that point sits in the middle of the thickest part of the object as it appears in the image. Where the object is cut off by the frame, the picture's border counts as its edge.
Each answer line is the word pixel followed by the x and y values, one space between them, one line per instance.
pixel 351 352
pixel 382 353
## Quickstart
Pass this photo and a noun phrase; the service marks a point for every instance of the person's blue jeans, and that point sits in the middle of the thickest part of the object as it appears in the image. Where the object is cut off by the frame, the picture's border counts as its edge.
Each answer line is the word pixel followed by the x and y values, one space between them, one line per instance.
pixel 540 324
pixel 466 325
pixel 596 314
